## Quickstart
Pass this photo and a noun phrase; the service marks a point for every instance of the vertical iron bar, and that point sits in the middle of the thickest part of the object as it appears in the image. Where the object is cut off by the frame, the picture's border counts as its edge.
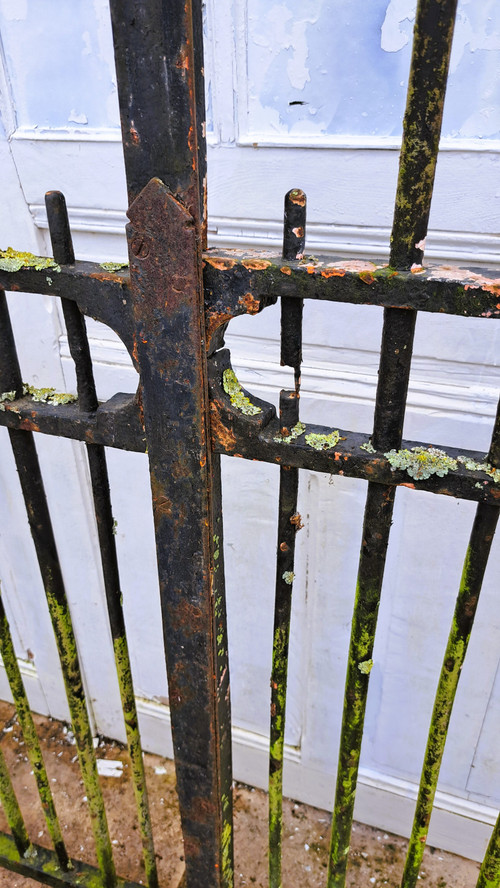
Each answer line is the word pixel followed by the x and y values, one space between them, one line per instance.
pixel 294 231
pixel 159 59
pixel 167 297
pixel 87 399
pixel 159 66
pixel 433 34
pixel 30 477
pixel 12 811
pixel 30 737
pixel 489 874
pixel 475 563
pixel 289 482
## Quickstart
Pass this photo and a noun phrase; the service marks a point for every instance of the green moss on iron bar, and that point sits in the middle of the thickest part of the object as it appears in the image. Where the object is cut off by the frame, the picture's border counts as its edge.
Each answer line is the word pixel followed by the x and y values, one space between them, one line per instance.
pixel 323 442
pixel 113 266
pixel 368 446
pixel 7 396
pixel 480 467
pixel 365 667
pixel 422 462
pixel 226 847
pixel 12 260
pixel 48 395
pixel 236 396
pixel 297 430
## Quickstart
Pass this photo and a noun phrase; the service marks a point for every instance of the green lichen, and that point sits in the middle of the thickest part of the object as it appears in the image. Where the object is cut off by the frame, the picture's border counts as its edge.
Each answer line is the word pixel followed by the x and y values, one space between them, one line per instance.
pixel 297 430
pixel 368 446
pixel 122 660
pixel 6 396
pixel 365 666
pixel 30 737
pixel 288 577
pixel 114 528
pixel 323 442
pixel 12 260
pixel 236 396
pixel 48 395
pixel 113 266
pixel 422 462
pixel 480 467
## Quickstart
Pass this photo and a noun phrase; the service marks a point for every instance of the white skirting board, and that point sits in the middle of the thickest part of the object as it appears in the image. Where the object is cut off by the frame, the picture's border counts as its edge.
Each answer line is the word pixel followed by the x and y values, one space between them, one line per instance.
pixel 458 825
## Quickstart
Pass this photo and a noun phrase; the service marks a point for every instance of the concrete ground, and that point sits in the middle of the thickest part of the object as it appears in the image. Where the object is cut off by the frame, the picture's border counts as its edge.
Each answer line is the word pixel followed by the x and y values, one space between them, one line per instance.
pixel 376 858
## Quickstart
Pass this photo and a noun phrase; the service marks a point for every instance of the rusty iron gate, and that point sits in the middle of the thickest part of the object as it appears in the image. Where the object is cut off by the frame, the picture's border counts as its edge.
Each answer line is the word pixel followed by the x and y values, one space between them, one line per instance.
pixel 171 310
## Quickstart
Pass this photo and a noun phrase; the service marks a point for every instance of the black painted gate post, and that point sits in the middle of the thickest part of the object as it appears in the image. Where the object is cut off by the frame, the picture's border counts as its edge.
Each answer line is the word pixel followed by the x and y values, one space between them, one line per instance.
pixel 159 59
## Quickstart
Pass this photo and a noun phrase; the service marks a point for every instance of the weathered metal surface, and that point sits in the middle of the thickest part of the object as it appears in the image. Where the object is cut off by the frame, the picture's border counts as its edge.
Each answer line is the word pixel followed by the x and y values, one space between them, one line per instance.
pixel 26 459
pixel 165 258
pixel 43 866
pixel 20 839
pixel 476 560
pixel 87 400
pixel 231 275
pixel 30 737
pixel 294 233
pixel 159 63
pixel 171 311
pixel 287 530
pixel 421 130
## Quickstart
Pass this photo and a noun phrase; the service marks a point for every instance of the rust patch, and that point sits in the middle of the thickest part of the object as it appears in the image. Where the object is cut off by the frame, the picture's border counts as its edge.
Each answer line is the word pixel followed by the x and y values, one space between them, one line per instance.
pixel 256 264
pixel 366 277
pixel 183 59
pixel 250 302
pixel 28 425
pixel 220 262
pixel 411 486
pixel 296 520
pixel 298 232
pixel 286 270
pixel 333 272
pixel 134 135
pixel 219 432
pixel 214 320
pixel 297 197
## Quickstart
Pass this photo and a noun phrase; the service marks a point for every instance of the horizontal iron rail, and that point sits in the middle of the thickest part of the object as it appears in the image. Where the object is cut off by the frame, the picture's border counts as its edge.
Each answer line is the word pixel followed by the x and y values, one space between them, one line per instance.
pixel 233 435
pixel 43 866
pixel 234 279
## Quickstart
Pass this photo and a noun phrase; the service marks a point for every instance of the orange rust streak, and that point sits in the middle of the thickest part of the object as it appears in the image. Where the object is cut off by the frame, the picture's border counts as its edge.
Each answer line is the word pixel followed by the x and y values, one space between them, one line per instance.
pixel 219 432
pixel 411 486
pixel 214 320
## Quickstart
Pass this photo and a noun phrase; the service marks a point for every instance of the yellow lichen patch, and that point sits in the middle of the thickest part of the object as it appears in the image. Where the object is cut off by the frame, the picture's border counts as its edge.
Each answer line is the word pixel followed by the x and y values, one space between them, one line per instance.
pixel 323 442
pixel 12 260
pixel 113 266
pixel 238 399
pixel 48 395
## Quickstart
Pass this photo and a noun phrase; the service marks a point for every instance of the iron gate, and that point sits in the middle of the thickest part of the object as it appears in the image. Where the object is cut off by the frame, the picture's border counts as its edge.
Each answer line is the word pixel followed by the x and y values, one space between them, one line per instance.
pixel 171 310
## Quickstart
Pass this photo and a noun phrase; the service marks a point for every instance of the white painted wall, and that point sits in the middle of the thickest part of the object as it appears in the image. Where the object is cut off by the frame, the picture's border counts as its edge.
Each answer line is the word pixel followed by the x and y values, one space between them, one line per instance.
pixel 348 63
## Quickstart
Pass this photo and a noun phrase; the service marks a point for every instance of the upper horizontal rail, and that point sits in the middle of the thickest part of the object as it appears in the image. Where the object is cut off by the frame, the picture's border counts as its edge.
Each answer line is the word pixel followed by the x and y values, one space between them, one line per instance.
pixel 231 275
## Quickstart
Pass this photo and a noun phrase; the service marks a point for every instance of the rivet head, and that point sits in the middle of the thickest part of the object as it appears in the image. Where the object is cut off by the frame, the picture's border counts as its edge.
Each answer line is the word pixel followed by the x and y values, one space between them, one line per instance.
pixel 139 247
